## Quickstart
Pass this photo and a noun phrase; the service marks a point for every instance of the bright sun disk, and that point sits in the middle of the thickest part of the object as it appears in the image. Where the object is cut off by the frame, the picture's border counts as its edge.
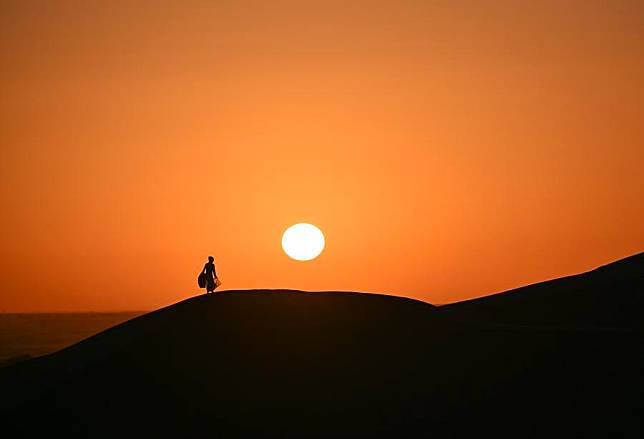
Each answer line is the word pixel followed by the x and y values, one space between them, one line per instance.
pixel 303 242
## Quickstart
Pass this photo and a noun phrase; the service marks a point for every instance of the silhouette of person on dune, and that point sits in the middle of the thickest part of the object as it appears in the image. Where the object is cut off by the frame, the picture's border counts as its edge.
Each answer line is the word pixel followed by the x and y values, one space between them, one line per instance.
pixel 210 274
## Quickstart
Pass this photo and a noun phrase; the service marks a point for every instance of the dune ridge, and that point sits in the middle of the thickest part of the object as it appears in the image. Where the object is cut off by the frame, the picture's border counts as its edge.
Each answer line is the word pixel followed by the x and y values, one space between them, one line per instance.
pixel 283 363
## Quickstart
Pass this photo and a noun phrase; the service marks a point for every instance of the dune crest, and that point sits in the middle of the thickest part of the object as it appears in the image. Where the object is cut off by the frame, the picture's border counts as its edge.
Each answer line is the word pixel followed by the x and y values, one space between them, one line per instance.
pixel 279 363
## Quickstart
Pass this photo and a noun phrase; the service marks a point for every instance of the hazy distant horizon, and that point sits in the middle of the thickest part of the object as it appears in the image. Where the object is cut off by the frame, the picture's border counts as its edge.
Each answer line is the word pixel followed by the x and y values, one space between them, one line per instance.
pixel 26 335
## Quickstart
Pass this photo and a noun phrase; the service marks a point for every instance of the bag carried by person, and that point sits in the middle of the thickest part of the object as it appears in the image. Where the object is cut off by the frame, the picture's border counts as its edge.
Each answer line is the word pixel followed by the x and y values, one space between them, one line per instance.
pixel 202 279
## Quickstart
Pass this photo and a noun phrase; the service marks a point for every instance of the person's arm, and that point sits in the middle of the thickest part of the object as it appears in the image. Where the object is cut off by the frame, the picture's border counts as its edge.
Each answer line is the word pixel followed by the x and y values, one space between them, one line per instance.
pixel 214 272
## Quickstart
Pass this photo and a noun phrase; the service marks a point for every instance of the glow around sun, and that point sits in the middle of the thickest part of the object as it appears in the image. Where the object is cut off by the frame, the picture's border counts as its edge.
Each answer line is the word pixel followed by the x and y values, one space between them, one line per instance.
pixel 303 242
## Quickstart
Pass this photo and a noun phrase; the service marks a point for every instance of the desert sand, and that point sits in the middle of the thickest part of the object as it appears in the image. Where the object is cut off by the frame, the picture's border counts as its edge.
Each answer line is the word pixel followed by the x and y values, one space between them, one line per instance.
pixel 561 358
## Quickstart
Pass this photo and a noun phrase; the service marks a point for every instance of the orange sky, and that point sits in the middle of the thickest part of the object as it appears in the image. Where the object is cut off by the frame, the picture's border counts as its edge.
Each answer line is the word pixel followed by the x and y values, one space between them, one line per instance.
pixel 446 149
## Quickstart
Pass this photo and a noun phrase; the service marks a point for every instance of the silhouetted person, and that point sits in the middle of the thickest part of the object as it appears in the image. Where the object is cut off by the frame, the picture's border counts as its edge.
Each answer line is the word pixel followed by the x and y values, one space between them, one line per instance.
pixel 211 275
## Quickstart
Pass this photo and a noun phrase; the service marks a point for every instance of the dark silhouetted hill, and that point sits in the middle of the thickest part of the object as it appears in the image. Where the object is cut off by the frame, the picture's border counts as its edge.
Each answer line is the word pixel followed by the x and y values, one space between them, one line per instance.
pixel 295 364
pixel 611 296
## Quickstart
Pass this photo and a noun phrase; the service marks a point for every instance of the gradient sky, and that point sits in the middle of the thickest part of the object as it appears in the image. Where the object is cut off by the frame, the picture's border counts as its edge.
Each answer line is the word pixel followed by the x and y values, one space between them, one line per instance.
pixel 447 149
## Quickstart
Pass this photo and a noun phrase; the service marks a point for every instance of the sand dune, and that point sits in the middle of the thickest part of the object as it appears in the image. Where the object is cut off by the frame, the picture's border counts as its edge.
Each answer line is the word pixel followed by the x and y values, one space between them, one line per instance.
pixel 556 359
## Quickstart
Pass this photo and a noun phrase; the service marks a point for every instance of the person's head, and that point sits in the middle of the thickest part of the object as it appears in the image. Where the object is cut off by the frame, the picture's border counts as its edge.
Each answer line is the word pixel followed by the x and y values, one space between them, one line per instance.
pixel 211 259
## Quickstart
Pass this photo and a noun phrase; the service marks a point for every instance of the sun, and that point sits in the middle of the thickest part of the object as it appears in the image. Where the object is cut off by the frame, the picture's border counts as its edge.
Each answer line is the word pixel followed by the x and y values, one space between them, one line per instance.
pixel 303 242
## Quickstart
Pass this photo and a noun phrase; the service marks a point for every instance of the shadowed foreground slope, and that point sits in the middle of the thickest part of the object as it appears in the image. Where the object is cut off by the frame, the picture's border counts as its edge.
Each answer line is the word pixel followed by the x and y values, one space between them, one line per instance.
pixel 294 364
